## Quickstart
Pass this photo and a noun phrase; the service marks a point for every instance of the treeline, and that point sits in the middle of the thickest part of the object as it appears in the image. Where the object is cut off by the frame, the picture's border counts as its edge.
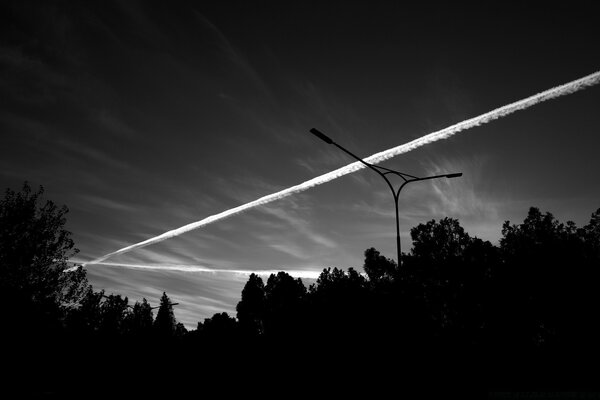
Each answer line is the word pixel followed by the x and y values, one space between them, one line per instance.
pixel 524 312
pixel 536 291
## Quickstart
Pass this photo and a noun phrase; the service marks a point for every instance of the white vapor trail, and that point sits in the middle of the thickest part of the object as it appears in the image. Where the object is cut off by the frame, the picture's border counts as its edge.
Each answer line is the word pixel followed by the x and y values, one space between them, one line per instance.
pixel 558 91
pixel 305 274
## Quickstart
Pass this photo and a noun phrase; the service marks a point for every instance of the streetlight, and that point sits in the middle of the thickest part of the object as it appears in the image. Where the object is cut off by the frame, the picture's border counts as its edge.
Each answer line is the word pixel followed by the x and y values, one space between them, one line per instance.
pixel 130 306
pixel 382 171
pixel 171 304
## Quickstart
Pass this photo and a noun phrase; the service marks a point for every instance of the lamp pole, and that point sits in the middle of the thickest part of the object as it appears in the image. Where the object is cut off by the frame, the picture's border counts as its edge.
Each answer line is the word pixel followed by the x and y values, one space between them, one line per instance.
pixel 152 308
pixel 171 304
pixel 382 171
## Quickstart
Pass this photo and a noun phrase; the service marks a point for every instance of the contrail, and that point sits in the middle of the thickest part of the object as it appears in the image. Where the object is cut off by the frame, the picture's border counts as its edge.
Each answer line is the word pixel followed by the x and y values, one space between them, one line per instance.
pixel 558 91
pixel 305 274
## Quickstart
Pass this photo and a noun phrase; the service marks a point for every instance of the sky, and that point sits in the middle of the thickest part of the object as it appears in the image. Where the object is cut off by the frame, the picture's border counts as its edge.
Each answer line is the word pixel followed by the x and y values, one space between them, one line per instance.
pixel 142 117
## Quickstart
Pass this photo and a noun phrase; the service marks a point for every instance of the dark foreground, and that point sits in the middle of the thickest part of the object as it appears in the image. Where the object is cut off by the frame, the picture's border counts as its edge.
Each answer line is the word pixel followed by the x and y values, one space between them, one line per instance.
pixel 332 366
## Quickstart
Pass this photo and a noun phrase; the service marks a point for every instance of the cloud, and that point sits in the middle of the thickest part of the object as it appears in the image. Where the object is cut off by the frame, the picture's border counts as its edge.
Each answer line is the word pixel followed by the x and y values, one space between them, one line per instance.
pixel 89 153
pixel 200 291
pixel 112 124
pixel 288 248
pixel 555 92
pixel 30 81
pixel 444 95
pixel 234 55
pixel 461 197
pixel 106 203
pixel 336 115
pixel 470 198
pixel 20 126
pixel 291 216
pixel 200 295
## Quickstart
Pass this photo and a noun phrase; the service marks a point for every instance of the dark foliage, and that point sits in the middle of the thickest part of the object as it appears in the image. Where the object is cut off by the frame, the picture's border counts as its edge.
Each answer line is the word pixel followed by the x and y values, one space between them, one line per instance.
pixel 378 268
pixel 165 323
pixel 34 249
pixel 139 322
pixel 251 308
pixel 284 300
pixel 458 311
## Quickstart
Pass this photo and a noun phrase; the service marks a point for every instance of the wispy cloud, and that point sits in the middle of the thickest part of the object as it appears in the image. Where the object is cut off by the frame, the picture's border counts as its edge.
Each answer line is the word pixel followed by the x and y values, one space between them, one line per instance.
pixel 90 153
pixel 470 198
pixel 562 90
pixel 200 295
pixel 234 54
pixel 336 115
pixel 300 225
pixel 461 197
pixel 106 203
pixel 112 123
pixel 29 80
pixel 444 96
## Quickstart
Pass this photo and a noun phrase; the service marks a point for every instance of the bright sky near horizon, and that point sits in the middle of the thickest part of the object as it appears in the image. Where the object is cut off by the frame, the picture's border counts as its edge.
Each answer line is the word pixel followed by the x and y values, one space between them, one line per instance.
pixel 142 117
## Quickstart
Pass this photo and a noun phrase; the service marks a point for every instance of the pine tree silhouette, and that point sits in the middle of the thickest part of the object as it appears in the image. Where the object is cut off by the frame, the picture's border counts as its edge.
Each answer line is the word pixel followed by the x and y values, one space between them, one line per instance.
pixel 165 318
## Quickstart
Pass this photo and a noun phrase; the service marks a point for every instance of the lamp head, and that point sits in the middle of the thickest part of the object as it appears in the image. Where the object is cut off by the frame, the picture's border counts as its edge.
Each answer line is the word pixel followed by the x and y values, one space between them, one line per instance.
pixel 459 174
pixel 321 136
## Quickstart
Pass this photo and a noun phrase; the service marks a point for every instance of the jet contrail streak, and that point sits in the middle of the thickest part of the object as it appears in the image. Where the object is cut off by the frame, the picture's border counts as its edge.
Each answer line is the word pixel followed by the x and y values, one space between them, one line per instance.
pixel 306 274
pixel 562 90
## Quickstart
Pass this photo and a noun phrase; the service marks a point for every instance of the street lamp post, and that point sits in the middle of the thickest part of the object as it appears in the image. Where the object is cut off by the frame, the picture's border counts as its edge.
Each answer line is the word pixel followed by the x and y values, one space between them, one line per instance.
pixel 382 171
pixel 171 304
pixel 130 306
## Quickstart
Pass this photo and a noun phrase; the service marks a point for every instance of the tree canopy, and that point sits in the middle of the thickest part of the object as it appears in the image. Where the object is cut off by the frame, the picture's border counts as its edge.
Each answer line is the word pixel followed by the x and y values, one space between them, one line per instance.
pixel 34 250
pixel 455 300
pixel 165 323
pixel 251 308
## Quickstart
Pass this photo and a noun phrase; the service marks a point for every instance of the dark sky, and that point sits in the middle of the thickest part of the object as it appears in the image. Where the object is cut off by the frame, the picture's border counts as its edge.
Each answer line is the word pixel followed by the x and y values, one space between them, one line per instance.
pixel 145 116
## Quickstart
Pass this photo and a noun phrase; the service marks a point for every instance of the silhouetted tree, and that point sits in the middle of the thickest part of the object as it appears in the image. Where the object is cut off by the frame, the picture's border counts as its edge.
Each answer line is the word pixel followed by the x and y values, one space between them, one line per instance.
pixel 338 304
pixel 141 319
pixel 529 251
pixel 283 304
pixel 448 273
pixel 180 330
pixel 85 318
pixel 545 282
pixel 74 287
pixel 251 308
pixel 586 329
pixel 165 318
pixel 378 268
pixel 220 327
pixel 590 234
pixel 456 296
pixel 113 315
pixel 439 241
pixel 337 283
pixel 34 249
